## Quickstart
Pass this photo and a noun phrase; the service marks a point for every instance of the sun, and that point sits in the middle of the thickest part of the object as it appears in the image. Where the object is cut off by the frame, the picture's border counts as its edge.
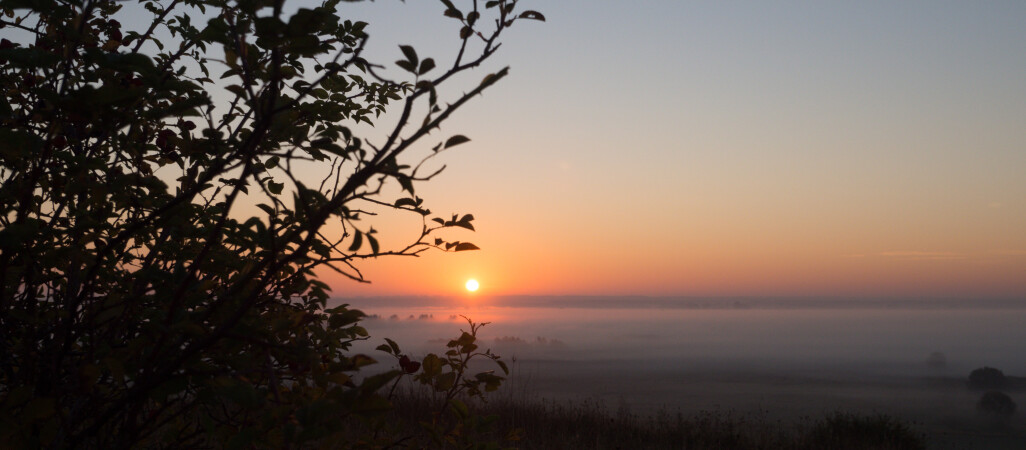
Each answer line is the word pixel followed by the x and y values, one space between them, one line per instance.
pixel 472 285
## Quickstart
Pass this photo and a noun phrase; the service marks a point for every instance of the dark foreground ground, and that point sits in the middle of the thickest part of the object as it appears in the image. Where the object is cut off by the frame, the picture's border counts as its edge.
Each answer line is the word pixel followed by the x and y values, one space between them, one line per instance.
pixel 588 425
pixel 559 404
pixel 771 408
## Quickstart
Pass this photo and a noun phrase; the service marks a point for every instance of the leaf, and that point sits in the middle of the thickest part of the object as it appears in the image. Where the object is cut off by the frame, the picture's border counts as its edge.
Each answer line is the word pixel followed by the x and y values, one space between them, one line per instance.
pixel 411 54
pixel 432 364
pixel 275 188
pixel 339 378
pixel 267 209
pixel 455 13
pixel 465 246
pixel 271 162
pixel 346 318
pixel 357 242
pixel 464 222
pixel 231 58
pixel 426 66
pixel 445 381
pixel 405 182
pixel 408 365
pixel 375 382
pixel 408 66
pixel 532 15
pixel 464 340
pixel 491 381
pixel 393 345
pixel 373 244
pixel 384 347
pixel 459 408
pixel 456 140
pixel 406 202
pixel 361 360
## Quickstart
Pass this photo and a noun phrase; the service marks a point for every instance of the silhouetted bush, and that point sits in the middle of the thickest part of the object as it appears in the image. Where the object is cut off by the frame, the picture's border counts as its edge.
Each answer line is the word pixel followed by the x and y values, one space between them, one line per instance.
pixel 853 431
pixel 987 378
pixel 162 233
pixel 996 403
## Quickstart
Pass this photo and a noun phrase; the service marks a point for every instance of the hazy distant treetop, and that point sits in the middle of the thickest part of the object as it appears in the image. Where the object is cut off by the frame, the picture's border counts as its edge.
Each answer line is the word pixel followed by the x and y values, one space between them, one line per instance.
pixel 997 403
pixel 987 378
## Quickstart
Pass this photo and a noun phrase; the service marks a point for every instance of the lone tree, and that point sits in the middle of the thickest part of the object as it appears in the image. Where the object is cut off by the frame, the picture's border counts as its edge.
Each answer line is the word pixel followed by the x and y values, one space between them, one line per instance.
pixel 996 403
pixel 987 378
pixel 157 243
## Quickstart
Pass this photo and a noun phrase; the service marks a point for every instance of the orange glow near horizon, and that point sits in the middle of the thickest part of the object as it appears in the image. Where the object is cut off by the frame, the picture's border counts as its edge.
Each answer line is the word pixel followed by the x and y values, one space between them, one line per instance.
pixel 718 269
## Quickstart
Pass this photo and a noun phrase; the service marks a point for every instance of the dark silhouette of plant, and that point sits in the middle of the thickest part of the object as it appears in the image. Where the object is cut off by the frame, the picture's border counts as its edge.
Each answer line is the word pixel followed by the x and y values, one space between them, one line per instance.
pixel 161 226
pixel 449 377
pixel 996 403
pixel 853 431
pixel 987 378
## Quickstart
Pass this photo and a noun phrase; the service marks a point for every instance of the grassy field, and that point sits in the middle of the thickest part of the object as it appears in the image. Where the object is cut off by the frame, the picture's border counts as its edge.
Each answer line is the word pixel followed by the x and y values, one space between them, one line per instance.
pixel 731 379
pixel 541 424
pixel 516 417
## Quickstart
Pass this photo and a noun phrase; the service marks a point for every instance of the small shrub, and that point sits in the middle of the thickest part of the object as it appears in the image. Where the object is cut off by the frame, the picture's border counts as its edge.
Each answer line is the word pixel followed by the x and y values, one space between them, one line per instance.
pixel 452 389
pixel 996 403
pixel 987 378
pixel 853 431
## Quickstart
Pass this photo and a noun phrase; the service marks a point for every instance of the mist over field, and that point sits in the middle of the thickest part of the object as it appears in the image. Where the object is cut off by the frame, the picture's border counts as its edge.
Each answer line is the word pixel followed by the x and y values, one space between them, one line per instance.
pixel 784 359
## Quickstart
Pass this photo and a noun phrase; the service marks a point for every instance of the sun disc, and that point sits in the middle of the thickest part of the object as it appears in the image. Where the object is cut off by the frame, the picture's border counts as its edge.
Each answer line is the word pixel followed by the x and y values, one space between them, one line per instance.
pixel 472 285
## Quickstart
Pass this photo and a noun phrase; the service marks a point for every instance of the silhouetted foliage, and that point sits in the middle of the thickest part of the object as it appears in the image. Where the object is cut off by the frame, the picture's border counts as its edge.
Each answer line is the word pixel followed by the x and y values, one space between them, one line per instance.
pixel 987 378
pixel 853 431
pixel 996 403
pixel 545 424
pixel 160 229
pixel 451 387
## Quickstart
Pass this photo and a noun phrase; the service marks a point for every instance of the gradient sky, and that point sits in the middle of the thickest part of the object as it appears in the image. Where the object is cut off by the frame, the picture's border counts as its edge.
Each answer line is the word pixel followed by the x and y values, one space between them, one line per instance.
pixel 729 148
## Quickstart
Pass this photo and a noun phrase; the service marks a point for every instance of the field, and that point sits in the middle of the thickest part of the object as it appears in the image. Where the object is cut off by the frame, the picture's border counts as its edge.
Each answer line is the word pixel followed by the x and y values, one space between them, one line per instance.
pixel 688 378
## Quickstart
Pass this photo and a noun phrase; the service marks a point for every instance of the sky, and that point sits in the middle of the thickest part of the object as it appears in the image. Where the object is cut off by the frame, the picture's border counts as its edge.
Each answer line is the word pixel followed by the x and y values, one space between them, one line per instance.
pixel 832 149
